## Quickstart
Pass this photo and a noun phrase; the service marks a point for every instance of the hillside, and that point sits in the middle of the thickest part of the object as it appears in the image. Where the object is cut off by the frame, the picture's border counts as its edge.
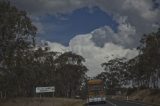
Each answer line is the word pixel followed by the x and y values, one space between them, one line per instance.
pixel 147 96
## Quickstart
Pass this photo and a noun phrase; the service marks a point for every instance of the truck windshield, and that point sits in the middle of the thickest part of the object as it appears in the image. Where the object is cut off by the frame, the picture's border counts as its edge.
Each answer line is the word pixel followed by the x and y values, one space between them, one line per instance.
pixel 95 88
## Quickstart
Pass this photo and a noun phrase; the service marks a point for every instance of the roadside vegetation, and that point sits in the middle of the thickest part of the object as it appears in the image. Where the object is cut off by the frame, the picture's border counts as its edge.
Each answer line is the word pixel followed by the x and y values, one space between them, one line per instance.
pixel 138 77
pixel 25 65
pixel 141 72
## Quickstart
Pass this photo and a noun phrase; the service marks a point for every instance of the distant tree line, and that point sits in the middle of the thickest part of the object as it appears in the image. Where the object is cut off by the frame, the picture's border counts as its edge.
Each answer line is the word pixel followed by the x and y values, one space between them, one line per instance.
pixel 24 66
pixel 143 71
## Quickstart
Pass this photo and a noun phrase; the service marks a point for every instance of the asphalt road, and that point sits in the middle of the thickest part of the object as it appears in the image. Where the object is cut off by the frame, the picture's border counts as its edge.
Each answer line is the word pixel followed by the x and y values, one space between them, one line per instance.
pixel 120 103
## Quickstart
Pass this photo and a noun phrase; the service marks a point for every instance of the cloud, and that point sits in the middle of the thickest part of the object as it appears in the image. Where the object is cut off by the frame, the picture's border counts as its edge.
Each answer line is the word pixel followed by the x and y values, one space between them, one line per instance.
pixel 140 16
pixel 50 6
pixel 125 35
pixel 57 47
pixel 94 55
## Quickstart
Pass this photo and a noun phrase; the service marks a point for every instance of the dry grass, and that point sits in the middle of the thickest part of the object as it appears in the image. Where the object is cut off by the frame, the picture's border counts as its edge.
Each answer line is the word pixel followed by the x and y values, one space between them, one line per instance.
pixel 42 102
pixel 147 96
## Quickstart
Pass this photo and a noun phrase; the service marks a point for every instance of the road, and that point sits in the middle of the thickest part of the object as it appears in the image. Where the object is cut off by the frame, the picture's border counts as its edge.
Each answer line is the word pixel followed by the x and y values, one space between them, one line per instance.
pixel 120 103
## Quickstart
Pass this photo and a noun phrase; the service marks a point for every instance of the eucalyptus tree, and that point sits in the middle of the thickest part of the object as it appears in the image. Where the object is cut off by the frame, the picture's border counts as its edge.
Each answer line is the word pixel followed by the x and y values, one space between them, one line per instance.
pixel 150 55
pixel 70 73
pixel 114 74
pixel 17 36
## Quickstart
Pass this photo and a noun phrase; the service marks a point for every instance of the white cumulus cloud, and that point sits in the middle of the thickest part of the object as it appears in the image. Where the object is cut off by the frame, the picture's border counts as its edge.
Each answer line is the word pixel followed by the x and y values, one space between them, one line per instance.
pixel 94 55
pixel 124 36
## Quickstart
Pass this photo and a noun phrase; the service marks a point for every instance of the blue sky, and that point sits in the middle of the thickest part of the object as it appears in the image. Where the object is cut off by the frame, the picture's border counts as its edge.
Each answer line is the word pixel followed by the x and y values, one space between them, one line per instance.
pixel 62 28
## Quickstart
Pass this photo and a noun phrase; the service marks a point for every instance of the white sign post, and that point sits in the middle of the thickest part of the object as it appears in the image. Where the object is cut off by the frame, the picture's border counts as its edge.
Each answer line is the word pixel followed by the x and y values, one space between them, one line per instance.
pixel 45 89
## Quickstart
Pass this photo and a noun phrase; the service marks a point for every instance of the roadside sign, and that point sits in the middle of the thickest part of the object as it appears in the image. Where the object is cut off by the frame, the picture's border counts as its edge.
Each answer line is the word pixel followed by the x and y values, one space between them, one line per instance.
pixel 45 89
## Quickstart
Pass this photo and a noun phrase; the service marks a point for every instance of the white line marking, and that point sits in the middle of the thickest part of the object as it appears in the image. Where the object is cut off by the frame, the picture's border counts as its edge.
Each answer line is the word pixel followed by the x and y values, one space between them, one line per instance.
pixel 111 103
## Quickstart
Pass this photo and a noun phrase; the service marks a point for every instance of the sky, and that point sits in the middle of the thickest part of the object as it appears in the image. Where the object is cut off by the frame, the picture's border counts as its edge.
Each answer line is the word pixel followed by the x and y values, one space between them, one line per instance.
pixel 94 29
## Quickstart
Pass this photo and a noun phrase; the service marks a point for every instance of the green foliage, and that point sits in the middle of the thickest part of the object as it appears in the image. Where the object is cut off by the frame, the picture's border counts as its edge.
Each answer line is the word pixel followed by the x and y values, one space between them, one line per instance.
pixel 114 74
pixel 16 39
pixel 149 58
pixel 24 66
pixel 143 71
pixel 70 74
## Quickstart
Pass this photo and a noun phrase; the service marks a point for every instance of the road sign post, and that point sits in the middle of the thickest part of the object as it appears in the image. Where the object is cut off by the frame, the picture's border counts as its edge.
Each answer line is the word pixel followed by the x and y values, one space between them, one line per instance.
pixel 40 90
pixel 1 94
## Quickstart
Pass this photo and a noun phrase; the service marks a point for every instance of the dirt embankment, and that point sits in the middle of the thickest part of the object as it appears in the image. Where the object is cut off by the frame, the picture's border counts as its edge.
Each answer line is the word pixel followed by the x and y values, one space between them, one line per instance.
pixel 147 96
pixel 42 102
pixel 151 96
